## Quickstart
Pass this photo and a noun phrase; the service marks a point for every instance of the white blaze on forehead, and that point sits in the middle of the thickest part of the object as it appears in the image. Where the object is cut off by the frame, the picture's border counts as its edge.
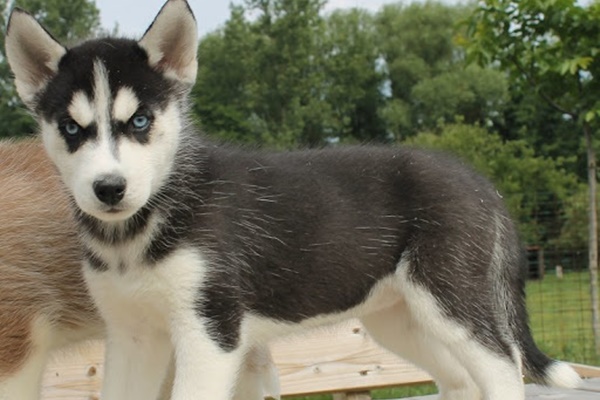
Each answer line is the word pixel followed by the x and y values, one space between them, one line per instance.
pixel 125 105
pixel 81 109
pixel 102 99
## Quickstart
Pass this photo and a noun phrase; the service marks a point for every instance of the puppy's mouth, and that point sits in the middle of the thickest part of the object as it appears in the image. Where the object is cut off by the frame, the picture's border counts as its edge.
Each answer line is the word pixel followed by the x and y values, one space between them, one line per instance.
pixel 119 212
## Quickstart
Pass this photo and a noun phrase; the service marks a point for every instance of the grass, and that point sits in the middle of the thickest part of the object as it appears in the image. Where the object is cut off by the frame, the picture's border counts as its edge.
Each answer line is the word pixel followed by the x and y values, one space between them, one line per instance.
pixel 560 318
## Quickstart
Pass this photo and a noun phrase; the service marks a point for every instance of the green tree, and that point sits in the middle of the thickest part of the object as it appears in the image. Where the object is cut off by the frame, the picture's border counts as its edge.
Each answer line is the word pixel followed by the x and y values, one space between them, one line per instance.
pixel 290 71
pixel 575 216
pixel 475 95
pixel 68 21
pixel 262 81
pixel 550 47
pixel 427 75
pixel 224 94
pixel 291 77
pixel 354 88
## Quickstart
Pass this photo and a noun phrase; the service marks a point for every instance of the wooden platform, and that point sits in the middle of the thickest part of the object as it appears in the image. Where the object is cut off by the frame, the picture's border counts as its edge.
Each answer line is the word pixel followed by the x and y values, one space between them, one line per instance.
pixel 340 359
pixel 589 391
pixel 329 360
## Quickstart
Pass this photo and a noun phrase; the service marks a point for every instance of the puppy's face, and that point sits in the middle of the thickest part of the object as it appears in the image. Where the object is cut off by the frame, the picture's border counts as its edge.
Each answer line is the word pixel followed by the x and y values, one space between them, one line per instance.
pixel 110 109
pixel 114 138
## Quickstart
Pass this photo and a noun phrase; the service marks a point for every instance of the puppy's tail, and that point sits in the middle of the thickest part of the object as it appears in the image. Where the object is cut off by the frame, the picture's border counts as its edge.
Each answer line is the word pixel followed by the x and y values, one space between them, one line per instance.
pixel 537 366
pixel 544 370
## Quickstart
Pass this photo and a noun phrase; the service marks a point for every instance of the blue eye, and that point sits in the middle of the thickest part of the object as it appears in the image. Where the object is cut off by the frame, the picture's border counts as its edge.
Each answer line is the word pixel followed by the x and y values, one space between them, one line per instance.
pixel 71 128
pixel 140 122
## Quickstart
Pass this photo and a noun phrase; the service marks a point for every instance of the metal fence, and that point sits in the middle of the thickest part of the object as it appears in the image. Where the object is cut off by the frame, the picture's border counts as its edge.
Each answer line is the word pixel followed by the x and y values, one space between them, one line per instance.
pixel 558 289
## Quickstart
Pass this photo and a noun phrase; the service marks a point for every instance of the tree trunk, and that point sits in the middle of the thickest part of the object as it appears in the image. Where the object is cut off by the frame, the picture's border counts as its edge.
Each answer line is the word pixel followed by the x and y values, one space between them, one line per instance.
pixel 593 236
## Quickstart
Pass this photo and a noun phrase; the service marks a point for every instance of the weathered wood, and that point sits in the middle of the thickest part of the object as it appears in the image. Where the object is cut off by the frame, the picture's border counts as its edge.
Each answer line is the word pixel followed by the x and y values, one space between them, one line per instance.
pixel 535 392
pixel 586 371
pixel 340 359
pixel 77 376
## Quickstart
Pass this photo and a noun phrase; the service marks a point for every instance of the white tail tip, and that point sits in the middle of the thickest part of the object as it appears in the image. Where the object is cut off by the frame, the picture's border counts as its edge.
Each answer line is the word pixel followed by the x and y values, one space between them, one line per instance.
pixel 562 375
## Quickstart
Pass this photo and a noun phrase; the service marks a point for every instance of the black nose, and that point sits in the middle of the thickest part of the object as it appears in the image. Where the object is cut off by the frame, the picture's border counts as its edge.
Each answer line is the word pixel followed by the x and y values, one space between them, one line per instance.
pixel 110 189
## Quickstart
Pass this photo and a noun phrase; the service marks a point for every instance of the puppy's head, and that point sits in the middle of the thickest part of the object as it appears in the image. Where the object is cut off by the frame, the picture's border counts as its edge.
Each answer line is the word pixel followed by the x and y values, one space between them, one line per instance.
pixel 110 110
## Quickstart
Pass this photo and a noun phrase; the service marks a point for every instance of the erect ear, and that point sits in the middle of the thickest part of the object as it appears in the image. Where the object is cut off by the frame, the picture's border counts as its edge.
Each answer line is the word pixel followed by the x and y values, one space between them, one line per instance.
pixel 172 42
pixel 32 53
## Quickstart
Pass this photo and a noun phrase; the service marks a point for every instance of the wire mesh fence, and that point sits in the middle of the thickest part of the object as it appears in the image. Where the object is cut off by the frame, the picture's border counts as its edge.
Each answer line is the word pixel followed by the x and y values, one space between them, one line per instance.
pixel 558 289
pixel 560 306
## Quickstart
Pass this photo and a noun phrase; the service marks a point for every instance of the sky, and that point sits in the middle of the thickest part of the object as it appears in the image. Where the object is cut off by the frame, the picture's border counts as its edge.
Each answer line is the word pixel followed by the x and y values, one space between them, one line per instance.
pixel 134 16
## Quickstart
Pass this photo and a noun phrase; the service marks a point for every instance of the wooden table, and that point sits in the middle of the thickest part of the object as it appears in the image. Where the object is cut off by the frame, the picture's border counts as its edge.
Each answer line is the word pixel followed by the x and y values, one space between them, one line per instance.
pixel 340 359
pixel 589 391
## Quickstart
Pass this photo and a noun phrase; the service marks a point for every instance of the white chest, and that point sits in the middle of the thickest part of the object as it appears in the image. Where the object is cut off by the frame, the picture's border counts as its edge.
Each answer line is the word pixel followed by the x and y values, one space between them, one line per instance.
pixel 138 296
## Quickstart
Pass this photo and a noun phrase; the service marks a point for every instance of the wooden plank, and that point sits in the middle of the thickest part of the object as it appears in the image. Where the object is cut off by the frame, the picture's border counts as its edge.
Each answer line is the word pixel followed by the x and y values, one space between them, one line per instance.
pixel 536 392
pixel 76 376
pixel 586 371
pixel 339 359
pixel 542 392
pixel 591 385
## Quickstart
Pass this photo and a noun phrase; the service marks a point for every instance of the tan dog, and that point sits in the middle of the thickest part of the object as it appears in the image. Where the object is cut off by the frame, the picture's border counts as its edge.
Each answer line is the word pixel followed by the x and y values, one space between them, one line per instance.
pixel 44 304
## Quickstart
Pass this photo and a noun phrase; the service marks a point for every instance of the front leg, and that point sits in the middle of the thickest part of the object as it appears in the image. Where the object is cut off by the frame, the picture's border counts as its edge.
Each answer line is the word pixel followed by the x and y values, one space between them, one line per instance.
pixel 138 346
pixel 204 369
pixel 258 377
pixel 135 366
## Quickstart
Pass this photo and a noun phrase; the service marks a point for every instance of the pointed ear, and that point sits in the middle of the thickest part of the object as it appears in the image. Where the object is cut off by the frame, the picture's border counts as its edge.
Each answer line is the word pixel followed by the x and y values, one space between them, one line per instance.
pixel 172 42
pixel 32 53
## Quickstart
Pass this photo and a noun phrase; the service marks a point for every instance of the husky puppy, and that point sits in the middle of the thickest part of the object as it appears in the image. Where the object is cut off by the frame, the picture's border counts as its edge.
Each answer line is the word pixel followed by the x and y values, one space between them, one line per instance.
pixel 200 251
pixel 44 303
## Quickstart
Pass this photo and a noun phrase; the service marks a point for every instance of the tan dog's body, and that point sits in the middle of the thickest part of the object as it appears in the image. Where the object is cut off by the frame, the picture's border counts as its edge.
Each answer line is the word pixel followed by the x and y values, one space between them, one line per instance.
pixel 43 301
pixel 44 304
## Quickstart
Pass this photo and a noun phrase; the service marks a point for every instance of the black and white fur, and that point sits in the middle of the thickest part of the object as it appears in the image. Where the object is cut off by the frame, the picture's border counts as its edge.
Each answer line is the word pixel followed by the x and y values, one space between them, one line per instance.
pixel 202 251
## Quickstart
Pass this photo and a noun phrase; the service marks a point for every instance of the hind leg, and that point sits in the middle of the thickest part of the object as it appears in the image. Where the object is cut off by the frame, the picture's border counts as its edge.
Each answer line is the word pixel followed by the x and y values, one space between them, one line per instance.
pixel 396 330
pixel 499 375
pixel 491 361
